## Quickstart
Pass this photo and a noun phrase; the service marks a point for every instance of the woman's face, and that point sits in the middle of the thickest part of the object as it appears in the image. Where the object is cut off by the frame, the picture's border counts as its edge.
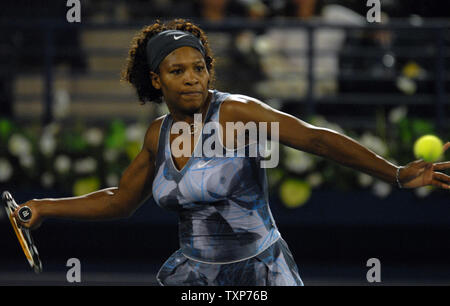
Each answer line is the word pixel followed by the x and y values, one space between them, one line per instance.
pixel 183 79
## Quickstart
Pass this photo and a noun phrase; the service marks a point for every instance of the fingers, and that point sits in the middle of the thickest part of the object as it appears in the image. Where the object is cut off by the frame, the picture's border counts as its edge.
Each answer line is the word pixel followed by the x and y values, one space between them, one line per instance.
pixel 441 176
pixel 16 217
pixel 440 184
pixel 441 180
pixel 446 146
pixel 441 166
pixel 18 221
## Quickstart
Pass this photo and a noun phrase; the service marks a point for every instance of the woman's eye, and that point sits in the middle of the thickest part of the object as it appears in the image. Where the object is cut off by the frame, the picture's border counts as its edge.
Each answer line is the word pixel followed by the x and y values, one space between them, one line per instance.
pixel 200 68
pixel 176 71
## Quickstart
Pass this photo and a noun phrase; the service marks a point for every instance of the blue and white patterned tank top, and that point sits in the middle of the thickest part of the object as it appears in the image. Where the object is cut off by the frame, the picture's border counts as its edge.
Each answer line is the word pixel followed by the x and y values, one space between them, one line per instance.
pixel 222 202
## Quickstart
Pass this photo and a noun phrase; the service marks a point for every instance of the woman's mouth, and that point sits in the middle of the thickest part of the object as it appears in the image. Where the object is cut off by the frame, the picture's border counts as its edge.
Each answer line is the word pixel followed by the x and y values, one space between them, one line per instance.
pixel 191 93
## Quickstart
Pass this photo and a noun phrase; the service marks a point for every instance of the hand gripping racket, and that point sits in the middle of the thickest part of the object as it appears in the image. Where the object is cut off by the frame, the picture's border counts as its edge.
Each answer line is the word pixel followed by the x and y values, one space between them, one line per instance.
pixel 23 234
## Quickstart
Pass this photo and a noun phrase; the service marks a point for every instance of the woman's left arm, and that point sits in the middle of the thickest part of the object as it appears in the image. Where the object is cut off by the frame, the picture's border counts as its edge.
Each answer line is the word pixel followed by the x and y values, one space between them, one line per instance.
pixel 332 145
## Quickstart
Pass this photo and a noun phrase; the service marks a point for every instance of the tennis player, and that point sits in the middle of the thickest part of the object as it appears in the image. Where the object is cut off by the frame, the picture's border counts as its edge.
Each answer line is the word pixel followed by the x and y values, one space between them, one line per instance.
pixel 226 230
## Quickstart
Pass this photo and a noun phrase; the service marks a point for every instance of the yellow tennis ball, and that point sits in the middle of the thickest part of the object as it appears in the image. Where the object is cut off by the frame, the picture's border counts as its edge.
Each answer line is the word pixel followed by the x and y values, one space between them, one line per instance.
pixel 428 147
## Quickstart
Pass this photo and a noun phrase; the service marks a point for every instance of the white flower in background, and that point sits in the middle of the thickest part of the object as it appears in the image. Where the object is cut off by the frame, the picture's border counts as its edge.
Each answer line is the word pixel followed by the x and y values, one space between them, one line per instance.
pixel 85 165
pixel 296 160
pixel 244 41
pixel 374 143
pixel 424 191
pixel 112 180
pixel 135 132
pixel 26 161
pixel 62 164
pixel 406 85
pixel 315 179
pixel 364 179
pixel 47 144
pixel 47 179
pixel 397 114
pixel 94 136
pixel 61 104
pixel 19 145
pixel 111 155
pixel 6 170
pixel 263 45
pixel 381 189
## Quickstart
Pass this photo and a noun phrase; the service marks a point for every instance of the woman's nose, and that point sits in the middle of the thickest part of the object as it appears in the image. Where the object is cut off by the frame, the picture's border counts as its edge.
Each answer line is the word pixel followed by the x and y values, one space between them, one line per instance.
pixel 190 78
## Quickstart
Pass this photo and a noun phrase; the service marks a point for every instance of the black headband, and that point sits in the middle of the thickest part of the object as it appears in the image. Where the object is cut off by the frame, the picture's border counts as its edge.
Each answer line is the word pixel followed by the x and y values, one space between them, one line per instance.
pixel 159 46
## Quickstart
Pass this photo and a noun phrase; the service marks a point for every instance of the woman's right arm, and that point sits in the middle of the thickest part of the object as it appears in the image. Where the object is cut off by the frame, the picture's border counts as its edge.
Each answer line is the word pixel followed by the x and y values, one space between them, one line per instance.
pixel 110 203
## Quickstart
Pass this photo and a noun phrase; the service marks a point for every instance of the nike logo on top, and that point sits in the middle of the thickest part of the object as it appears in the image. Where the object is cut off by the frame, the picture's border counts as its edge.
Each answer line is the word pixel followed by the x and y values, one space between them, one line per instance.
pixel 178 37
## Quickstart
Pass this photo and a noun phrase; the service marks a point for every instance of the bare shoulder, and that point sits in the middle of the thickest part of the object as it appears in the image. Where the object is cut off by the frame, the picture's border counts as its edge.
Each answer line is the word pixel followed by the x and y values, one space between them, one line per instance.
pixel 152 135
pixel 240 101
pixel 242 108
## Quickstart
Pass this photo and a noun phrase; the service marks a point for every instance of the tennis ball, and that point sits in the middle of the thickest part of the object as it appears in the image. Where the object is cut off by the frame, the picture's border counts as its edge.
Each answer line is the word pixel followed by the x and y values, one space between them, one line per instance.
pixel 428 147
pixel 294 193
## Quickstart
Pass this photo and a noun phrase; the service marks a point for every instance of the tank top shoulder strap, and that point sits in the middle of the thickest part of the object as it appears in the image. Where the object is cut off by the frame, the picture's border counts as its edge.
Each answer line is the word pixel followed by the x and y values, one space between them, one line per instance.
pixel 161 140
pixel 218 98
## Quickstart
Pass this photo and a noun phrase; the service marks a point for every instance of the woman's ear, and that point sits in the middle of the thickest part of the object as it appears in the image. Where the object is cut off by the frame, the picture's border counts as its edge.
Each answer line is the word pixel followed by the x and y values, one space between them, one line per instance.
pixel 155 80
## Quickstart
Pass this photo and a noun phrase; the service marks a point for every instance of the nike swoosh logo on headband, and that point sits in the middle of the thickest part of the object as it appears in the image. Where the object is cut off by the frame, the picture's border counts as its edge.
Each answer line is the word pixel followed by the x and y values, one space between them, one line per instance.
pixel 178 37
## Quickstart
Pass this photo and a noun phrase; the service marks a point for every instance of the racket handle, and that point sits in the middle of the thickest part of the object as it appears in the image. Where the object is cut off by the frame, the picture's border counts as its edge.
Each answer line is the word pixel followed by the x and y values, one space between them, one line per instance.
pixel 24 214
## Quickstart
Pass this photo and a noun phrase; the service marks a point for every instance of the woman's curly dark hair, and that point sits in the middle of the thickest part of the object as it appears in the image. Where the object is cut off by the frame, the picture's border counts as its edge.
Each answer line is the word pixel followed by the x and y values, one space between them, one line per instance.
pixel 137 71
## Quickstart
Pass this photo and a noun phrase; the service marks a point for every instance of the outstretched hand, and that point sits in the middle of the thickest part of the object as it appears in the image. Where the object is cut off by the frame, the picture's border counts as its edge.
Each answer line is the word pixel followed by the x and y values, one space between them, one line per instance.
pixel 36 219
pixel 421 173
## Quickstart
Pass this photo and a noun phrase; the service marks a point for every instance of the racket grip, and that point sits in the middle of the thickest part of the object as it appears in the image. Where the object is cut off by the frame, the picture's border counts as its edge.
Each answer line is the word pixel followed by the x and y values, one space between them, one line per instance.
pixel 24 214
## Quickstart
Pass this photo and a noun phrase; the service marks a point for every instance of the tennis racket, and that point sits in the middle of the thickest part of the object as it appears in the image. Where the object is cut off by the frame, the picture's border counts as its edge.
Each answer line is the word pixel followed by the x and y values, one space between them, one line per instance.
pixel 23 234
